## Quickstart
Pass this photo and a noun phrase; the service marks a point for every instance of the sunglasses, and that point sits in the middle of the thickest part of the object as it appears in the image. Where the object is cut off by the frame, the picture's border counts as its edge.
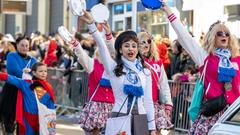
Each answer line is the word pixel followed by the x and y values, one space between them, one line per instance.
pixel 149 41
pixel 221 34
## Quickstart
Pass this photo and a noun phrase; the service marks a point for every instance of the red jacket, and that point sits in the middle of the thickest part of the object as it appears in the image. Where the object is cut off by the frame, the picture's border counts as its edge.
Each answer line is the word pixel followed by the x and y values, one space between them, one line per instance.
pixel 104 94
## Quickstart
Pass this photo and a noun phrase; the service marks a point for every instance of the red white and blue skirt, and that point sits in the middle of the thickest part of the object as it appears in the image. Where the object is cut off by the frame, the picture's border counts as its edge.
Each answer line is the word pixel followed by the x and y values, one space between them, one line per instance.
pixel 161 119
pixel 203 124
pixel 94 115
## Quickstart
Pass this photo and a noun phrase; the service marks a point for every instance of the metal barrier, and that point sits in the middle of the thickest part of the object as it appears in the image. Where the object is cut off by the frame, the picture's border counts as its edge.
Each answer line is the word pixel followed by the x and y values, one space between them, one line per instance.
pixel 181 97
pixel 71 94
pixel 70 89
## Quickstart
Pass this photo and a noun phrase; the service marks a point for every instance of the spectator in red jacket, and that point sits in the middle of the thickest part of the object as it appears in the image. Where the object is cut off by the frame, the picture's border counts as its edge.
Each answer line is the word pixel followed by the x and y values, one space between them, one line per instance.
pixel 163 52
pixel 50 58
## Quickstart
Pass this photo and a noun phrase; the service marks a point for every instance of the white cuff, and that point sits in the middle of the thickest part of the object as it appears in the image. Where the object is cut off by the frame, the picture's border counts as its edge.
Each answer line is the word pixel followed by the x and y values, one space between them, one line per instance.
pixel 92 28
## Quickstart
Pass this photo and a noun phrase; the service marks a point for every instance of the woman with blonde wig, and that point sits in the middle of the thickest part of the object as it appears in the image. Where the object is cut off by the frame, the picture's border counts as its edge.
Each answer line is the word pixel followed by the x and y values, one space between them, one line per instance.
pixel 220 56
pixel 160 87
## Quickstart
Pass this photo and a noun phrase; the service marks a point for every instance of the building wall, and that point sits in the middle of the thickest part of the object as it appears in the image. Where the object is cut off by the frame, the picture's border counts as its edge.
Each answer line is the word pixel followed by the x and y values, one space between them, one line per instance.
pixel 10 24
pixel 207 12
pixel 56 15
pixel 20 24
pixel 2 23
pixel 32 20
pixel 43 16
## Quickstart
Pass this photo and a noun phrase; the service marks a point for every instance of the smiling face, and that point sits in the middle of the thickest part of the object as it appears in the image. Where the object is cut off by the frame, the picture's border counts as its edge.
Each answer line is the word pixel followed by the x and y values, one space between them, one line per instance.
pixel 129 50
pixel 23 46
pixel 222 39
pixel 222 36
pixel 41 72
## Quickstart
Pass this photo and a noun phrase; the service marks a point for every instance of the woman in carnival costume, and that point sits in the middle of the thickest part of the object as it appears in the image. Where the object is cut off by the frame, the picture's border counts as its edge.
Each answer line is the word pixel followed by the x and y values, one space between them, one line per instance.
pixel 220 55
pixel 128 78
pixel 160 88
pixel 101 99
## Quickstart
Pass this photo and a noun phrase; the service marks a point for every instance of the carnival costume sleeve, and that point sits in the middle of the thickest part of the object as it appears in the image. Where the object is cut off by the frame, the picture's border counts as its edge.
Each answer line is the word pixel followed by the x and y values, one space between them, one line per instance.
pixel 83 58
pixel 107 60
pixel 194 49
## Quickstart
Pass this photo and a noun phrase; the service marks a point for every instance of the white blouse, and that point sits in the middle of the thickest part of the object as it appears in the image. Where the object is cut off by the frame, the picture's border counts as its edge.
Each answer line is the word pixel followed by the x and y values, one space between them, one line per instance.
pixel 145 102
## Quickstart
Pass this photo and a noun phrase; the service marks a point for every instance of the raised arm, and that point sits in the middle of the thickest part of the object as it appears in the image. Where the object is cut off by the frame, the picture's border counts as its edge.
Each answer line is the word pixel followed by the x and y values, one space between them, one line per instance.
pixel 83 58
pixel 195 50
pixel 110 40
pixel 107 60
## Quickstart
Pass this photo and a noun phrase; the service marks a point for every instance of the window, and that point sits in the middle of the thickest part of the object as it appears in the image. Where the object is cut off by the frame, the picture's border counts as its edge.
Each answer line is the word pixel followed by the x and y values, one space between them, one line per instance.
pixel 119 26
pixel 153 21
pixel 128 23
pixel 129 7
pixel 234 119
pixel 118 9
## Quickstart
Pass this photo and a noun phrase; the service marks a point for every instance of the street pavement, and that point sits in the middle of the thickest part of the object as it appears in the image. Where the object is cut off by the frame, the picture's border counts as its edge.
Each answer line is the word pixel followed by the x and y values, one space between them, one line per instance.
pixel 68 128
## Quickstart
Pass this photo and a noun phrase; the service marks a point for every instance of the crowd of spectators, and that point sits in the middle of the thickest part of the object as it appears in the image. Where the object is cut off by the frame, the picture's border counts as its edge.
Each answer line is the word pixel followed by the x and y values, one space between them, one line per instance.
pixel 54 52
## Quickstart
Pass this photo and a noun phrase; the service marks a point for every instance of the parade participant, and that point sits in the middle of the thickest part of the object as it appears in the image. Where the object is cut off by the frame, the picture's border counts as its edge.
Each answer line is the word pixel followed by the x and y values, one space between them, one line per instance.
pixel 18 64
pixel 129 78
pixel 160 87
pixel 94 115
pixel 28 121
pixel 220 55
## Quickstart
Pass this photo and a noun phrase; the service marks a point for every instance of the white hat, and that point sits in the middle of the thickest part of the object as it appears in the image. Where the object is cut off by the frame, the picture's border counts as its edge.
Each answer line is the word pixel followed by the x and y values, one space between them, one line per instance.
pixel 8 37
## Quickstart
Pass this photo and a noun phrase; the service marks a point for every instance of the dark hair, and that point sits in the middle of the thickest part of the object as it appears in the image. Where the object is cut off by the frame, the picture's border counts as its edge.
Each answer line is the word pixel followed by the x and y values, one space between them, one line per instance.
pixel 191 68
pixel 19 39
pixel 36 65
pixel 179 46
pixel 122 38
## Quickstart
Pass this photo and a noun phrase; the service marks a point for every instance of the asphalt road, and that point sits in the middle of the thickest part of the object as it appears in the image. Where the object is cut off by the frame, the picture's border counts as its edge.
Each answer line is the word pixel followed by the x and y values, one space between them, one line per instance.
pixel 67 128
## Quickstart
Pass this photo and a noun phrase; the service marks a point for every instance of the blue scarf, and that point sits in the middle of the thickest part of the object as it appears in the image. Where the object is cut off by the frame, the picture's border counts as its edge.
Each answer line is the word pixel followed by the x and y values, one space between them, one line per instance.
pixel 225 68
pixel 132 82
pixel 105 82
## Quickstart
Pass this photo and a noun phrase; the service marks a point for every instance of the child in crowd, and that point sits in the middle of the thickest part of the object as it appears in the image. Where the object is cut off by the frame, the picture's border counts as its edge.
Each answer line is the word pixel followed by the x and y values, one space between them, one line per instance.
pixel 27 107
pixel 186 76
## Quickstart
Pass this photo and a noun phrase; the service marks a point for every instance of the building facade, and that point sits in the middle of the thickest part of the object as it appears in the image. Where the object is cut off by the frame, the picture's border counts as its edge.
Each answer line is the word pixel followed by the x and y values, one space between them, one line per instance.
pixel 197 16
pixel 45 16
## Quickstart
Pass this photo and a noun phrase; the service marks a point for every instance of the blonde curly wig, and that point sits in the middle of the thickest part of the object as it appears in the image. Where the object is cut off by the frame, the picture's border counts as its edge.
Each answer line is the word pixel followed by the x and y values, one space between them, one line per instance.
pixel 153 53
pixel 209 43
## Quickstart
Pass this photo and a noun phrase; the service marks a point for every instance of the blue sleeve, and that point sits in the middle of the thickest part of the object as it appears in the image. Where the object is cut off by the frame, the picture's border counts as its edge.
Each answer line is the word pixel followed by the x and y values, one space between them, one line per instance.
pixel 19 83
pixel 51 104
pixel 33 61
pixel 13 67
